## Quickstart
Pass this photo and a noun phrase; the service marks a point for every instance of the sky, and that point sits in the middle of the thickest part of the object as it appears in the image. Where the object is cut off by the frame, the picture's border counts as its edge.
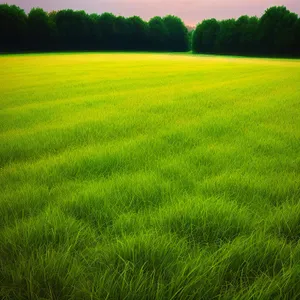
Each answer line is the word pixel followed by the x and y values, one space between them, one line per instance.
pixel 191 11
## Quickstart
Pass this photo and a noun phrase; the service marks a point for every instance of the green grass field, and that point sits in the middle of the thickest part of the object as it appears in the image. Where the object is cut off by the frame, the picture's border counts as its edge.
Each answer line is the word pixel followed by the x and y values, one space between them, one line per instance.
pixel 149 176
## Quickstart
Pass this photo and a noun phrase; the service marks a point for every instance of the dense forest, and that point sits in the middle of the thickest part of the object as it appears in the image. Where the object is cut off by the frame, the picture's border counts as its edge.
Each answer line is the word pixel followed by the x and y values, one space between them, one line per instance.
pixel 77 30
pixel 277 32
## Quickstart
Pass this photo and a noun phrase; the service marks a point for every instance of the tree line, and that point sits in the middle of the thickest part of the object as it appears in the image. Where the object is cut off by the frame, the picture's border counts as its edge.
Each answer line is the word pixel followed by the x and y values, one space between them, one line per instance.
pixel 277 32
pixel 69 30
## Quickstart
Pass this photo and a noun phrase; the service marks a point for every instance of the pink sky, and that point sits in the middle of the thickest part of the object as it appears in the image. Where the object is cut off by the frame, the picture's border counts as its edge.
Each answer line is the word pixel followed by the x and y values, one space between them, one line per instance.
pixel 191 11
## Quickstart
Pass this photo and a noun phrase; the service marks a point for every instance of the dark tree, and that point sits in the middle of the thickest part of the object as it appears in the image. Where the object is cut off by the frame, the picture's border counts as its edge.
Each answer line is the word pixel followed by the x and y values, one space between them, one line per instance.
pixel 139 33
pixel 13 28
pixel 121 34
pixel 95 32
pixel 247 32
pixel 205 36
pixel 158 34
pixel 73 29
pixel 39 30
pixel 106 27
pixel 54 35
pixel 178 39
pixel 227 38
pixel 276 28
pixel 297 38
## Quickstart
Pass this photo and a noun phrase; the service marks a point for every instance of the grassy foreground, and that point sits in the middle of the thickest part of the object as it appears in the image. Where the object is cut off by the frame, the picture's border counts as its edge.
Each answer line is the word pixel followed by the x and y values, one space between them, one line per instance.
pixel 149 176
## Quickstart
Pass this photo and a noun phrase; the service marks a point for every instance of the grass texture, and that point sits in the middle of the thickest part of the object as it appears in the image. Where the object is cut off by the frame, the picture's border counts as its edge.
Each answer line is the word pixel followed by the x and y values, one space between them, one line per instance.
pixel 149 176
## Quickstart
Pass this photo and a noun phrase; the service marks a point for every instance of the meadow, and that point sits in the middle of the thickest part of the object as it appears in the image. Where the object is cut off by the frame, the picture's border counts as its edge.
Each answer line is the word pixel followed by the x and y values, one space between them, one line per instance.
pixel 149 176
